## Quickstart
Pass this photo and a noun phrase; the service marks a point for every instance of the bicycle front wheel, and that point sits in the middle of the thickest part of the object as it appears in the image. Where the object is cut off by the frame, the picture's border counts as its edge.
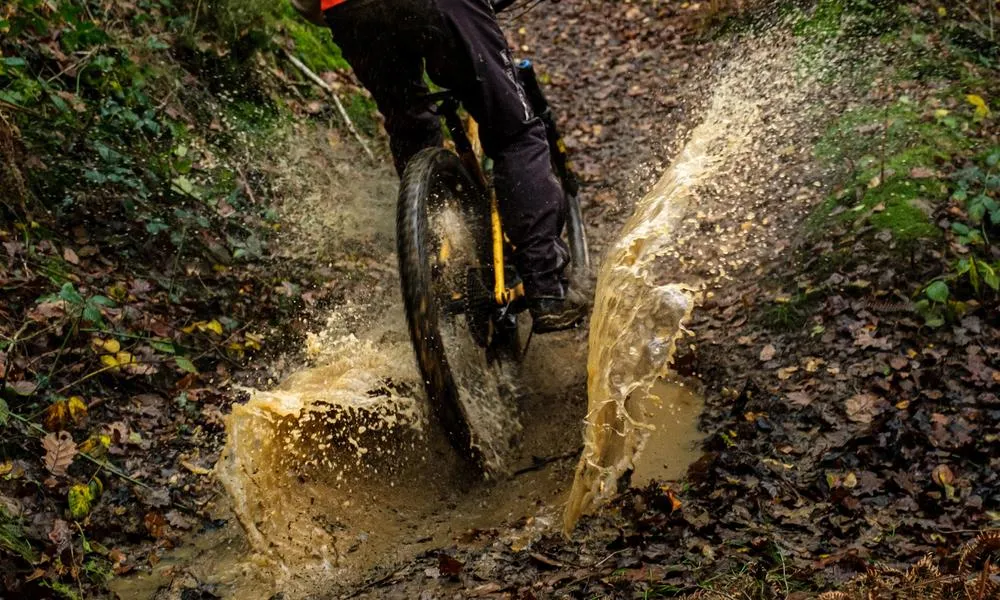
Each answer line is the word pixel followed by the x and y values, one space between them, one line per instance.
pixel 442 230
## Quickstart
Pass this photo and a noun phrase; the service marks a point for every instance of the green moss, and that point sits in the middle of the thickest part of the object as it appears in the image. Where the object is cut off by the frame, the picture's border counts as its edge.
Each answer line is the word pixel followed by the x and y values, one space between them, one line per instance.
pixel 823 22
pixel 313 44
pixel 362 111
pixel 906 221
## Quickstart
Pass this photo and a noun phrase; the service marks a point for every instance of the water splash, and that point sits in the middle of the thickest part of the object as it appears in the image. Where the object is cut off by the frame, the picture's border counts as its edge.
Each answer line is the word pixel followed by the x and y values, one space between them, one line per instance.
pixel 641 305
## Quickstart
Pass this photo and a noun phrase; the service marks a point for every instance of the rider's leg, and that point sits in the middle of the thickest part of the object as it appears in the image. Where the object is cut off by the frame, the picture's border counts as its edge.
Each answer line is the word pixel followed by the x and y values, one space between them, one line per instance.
pixel 473 59
pixel 383 41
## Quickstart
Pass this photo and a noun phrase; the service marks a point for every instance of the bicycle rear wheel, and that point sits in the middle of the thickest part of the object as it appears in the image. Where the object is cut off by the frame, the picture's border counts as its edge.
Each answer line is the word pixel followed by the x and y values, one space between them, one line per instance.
pixel 442 236
pixel 576 236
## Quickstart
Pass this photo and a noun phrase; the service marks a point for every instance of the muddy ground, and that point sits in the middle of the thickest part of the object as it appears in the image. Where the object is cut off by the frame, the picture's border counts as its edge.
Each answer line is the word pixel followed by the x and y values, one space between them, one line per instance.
pixel 840 430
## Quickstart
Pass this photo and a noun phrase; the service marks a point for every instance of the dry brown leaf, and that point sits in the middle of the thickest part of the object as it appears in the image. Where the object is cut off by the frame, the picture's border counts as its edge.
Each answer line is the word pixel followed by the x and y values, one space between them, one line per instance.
pixel 70 256
pixel 862 408
pixel 59 452
pixel 56 416
pixel 800 398
pixel 943 476
pixel 61 535
pixel 767 353
pixel 787 372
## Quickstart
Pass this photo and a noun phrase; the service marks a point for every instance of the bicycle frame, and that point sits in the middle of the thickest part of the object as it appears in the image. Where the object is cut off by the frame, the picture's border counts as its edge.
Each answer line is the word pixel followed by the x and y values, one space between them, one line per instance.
pixel 502 295
pixel 449 109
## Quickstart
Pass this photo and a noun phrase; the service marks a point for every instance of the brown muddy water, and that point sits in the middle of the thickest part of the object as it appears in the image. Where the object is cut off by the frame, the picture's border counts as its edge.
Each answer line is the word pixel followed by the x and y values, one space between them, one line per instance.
pixel 338 474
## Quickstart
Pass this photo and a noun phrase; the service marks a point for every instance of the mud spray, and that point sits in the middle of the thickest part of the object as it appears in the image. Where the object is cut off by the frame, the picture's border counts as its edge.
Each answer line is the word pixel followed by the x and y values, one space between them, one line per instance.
pixel 339 473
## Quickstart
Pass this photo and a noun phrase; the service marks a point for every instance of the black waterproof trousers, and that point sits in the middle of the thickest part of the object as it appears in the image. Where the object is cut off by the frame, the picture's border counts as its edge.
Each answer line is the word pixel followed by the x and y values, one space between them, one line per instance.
pixel 390 42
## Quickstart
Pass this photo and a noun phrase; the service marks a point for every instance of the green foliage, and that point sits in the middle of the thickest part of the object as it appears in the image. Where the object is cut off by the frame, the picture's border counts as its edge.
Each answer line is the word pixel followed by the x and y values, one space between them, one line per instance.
pixel 846 19
pixel 13 539
pixel 233 19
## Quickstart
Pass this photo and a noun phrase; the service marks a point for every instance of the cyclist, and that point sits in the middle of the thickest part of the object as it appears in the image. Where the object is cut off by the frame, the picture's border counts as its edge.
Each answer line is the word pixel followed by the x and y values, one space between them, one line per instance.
pixel 389 43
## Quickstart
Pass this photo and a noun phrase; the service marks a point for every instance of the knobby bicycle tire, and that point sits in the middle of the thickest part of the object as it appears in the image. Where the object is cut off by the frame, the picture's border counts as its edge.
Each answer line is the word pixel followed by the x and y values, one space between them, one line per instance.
pixel 430 176
pixel 576 235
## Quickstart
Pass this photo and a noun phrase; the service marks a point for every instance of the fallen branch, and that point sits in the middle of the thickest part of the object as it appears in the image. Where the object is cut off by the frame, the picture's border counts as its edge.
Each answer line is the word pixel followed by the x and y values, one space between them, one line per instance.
pixel 340 107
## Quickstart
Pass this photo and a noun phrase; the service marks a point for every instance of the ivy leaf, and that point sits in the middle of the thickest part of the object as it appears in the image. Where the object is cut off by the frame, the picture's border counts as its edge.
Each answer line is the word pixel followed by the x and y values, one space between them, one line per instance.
pixel 69 294
pixel 977 208
pixel 938 292
pixel 989 275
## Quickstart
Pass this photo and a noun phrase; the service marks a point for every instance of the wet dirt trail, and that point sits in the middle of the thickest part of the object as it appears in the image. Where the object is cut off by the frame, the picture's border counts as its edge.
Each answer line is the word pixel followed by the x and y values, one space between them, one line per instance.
pixel 339 477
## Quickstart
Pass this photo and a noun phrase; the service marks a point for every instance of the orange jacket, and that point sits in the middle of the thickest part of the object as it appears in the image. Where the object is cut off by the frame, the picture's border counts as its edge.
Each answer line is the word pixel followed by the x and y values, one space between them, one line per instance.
pixel 313 9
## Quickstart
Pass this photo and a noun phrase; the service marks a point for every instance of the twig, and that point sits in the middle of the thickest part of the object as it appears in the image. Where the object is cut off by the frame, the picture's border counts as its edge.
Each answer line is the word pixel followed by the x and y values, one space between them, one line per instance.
pixel 105 369
pixel 340 107
pixel 544 462
pixel 18 107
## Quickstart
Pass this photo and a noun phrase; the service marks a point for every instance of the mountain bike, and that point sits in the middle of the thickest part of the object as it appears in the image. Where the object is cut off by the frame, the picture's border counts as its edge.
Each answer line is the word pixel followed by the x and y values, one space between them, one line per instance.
pixel 460 292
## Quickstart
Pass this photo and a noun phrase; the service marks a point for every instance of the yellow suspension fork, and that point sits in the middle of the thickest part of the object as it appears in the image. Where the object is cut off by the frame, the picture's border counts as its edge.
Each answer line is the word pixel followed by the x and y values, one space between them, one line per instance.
pixel 496 228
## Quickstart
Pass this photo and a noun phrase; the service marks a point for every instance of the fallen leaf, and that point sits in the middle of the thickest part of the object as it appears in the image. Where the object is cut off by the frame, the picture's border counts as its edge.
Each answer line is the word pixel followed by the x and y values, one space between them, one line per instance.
pixel 61 535
pixel 675 503
pixel 70 256
pixel 195 468
pixel 787 372
pixel 982 110
pixel 59 452
pixel 767 353
pixel 80 500
pixel 77 410
pixel 23 388
pixel 943 476
pixel 178 521
pixel 449 566
pixel 862 408
pixel 155 524
pixel 56 416
pixel 800 398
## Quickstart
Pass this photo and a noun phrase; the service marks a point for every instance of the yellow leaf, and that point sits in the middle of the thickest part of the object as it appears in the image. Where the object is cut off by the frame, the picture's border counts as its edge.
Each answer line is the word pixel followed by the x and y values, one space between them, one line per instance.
pixel 942 11
pixel 109 361
pixel 56 416
pixel 77 410
pixel 941 113
pixel 195 468
pixel 124 358
pixel 80 499
pixel 214 326
pixel 982 110
pixel 254 341
pixel 111 346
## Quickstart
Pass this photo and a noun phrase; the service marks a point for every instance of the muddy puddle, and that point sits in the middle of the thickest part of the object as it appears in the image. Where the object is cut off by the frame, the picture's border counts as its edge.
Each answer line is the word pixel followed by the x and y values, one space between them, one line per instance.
pixel 339 475
pixel 675 441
